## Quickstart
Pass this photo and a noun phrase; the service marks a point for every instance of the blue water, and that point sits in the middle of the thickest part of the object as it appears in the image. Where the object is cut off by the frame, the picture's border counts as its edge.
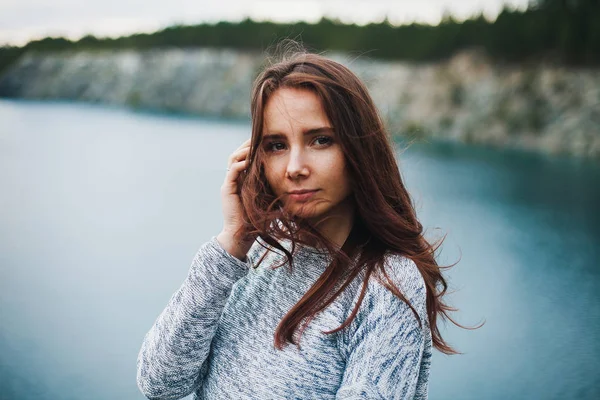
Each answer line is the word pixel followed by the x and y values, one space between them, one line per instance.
pixel 102 210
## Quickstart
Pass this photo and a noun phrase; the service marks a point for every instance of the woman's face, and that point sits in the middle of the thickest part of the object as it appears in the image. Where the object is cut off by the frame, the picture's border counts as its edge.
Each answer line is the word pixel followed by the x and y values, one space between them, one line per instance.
pixel 303 159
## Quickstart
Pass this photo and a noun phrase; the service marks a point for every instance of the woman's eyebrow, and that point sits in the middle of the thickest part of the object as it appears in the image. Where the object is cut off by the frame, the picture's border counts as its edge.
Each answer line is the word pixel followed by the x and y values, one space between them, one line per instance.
pixel 306 132
pixel 323 129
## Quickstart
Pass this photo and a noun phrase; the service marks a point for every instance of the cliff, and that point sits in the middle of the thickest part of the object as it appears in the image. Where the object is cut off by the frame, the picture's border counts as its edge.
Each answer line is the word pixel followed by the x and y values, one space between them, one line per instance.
pixel 466 98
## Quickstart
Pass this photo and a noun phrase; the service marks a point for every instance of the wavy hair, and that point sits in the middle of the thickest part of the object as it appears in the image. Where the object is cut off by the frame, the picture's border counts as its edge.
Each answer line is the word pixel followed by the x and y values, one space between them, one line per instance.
pixel 385 220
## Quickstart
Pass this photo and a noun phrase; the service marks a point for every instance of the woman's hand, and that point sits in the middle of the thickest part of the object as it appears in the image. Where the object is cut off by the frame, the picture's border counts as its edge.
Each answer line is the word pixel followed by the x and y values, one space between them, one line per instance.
pixel 233 211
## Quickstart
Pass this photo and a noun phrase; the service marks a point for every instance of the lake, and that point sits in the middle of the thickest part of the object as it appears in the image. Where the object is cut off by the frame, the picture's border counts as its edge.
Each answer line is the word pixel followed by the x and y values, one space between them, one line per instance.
pixel 102 210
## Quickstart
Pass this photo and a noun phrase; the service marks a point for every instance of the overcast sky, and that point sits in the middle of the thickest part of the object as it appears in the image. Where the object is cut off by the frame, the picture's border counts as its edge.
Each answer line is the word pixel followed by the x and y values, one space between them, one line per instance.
pixel 23 20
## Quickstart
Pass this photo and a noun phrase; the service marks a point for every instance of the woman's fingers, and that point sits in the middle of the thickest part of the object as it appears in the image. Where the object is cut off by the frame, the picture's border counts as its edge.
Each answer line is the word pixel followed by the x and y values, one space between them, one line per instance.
pixel 233 210
pixel 240 153
pixel 234 170
pixel 246 143
pixel 238 166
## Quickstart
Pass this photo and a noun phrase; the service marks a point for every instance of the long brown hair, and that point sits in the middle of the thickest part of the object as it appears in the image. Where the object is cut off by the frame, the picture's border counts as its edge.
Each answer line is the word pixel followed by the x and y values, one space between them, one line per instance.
pixel 385 220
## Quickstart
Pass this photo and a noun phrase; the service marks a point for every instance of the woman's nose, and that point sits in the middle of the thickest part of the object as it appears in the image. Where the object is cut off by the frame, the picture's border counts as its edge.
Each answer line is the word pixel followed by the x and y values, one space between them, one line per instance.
pixel 297 166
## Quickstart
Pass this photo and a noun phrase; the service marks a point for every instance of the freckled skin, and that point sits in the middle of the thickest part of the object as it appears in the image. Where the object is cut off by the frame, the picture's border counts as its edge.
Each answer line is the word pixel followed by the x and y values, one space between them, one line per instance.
pixel 295 160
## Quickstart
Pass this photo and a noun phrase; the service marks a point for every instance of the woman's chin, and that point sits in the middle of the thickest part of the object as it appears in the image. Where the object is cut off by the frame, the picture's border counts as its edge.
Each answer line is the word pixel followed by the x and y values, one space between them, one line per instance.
pixel 304 212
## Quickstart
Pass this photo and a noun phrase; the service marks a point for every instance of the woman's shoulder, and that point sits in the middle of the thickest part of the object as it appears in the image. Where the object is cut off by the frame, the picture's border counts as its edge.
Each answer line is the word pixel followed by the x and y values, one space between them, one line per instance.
pixel 403 271
pixel 406 275
pixel 381 308
pixel 403 274
pixel 399 270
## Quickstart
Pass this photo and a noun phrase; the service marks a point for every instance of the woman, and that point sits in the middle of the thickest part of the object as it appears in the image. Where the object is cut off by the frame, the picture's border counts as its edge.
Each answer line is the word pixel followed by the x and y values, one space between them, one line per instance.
pixel 316 190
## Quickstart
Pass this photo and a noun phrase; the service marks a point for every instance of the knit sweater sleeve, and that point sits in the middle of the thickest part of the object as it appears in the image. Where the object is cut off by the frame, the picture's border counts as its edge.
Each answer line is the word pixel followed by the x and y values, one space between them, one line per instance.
pixel 173 359
pixel 387 350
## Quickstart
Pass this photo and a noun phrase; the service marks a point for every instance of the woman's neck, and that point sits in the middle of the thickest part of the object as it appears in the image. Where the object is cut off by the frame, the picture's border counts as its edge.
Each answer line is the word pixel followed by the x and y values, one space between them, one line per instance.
pixel 337 224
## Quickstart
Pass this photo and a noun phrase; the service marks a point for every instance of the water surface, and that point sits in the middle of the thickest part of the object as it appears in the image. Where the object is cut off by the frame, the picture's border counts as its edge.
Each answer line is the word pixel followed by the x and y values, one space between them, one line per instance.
pixel 102 210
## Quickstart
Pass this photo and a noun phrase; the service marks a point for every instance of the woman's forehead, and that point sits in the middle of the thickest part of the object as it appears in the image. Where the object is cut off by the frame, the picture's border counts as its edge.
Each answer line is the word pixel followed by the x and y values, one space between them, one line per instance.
pixel 290 110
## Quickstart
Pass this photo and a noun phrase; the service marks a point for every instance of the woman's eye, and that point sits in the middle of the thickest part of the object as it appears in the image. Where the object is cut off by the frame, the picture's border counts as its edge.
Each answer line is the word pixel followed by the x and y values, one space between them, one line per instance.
pixel 323 140
pixel 275 146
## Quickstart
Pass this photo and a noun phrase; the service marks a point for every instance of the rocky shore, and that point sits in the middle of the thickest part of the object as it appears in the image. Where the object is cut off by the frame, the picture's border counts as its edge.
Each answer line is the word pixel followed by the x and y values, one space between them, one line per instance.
pixel 466 98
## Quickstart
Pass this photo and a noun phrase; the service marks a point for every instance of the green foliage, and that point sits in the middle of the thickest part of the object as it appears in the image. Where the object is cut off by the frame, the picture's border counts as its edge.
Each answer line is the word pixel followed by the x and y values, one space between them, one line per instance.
pixel 562 31
pixel 8 55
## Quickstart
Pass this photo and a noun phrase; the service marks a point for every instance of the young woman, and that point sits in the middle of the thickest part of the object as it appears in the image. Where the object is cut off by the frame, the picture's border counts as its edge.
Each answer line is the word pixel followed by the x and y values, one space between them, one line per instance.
pixel 321 249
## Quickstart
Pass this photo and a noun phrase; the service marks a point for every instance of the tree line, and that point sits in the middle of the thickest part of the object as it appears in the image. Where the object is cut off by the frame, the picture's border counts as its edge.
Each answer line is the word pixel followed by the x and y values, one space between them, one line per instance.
pixel 558 31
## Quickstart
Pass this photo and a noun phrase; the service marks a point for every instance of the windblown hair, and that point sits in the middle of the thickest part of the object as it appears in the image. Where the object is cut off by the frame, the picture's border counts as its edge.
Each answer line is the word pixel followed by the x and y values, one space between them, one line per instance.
pixel 385 220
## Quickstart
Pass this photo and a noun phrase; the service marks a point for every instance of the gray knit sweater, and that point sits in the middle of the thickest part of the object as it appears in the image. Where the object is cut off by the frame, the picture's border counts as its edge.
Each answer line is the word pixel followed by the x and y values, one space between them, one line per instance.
pixel 215 337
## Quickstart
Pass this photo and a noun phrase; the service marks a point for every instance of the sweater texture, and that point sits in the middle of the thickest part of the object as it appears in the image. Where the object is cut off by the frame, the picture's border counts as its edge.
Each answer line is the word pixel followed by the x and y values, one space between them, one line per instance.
pixel 215 338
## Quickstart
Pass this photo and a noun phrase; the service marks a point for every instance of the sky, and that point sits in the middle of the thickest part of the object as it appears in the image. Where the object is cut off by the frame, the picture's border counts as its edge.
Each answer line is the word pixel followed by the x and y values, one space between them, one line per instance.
pixel 25 20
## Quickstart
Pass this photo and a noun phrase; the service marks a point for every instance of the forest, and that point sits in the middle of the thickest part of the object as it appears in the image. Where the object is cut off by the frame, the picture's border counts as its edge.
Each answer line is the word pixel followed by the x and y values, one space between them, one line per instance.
pixel 563 32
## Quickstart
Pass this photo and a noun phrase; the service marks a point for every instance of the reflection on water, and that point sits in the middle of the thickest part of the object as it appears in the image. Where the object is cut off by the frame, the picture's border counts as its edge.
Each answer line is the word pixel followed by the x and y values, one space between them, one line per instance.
pixel 102 210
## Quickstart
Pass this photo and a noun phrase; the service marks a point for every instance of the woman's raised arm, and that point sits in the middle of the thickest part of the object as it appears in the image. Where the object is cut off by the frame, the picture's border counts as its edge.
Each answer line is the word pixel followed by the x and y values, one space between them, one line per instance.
pixel 172 361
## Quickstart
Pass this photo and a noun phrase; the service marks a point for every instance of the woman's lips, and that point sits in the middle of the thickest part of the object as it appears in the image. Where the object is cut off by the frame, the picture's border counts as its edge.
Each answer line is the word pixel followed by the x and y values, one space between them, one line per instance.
pixel 303 196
